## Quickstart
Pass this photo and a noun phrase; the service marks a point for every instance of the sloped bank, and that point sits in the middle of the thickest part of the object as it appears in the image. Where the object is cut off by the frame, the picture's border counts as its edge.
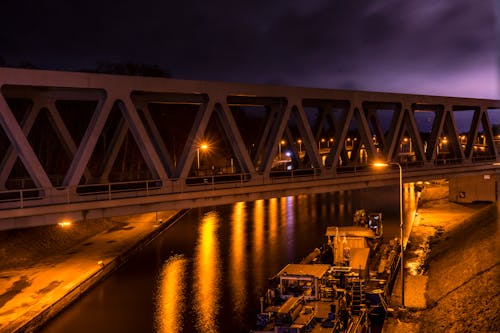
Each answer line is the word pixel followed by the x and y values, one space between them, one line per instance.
pixel 453 286
pixel 457 290
pixel 37 322
pixel 464 273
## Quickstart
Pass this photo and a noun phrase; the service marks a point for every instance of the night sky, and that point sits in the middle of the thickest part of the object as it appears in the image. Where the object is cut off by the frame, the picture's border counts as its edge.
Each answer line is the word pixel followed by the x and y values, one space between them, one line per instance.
pixel 435 47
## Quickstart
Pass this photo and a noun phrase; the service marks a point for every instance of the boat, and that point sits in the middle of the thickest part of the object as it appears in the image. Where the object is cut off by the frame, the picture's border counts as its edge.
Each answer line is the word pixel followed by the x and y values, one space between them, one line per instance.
pixel 341 287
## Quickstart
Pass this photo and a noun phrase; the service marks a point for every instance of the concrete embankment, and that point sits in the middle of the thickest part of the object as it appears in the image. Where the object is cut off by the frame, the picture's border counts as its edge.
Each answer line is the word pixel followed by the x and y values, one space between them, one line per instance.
pixel 454 288
pixel 35 289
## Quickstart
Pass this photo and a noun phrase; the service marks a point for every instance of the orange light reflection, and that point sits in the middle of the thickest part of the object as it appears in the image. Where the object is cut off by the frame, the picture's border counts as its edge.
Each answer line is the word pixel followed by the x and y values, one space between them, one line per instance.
pixel 273 225
pixel 207 274
pixel 237 271
pixel 258 217
pixel 170 295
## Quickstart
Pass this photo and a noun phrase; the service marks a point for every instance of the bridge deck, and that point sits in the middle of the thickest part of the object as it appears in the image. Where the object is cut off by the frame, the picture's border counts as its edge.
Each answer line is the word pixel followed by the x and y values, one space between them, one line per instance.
pixel 79 142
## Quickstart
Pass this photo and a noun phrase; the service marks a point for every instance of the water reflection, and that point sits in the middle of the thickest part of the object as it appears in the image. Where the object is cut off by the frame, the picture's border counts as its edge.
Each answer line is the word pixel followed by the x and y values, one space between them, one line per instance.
pixel 228 253
pixel 287 208
pixel 170 296
pixel 237 272
pixel 258 241
pixel 273 223
pixel 207 274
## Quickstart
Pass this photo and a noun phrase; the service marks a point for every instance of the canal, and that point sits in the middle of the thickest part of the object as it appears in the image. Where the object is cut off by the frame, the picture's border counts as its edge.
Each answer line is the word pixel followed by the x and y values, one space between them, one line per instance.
pixel 206 272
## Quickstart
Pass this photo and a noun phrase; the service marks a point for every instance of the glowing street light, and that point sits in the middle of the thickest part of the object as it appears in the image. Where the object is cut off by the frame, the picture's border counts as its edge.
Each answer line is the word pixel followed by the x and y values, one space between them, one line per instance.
pixel 204 147
pixel 65 223
pixel 299 141
pixel 319 143
pixel 282 142
pixel 401 223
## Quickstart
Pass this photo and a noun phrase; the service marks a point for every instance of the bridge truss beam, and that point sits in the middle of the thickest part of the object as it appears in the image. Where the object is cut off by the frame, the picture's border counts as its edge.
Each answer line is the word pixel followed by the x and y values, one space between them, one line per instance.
pixel 266 132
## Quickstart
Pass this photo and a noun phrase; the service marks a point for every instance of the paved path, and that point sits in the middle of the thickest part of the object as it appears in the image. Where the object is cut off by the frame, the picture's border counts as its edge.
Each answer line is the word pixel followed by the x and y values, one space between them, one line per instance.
pixel 28 292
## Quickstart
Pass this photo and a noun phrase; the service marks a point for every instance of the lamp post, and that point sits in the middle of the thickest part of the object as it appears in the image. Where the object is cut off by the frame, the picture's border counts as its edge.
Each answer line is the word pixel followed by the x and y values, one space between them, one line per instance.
pixel 401 224
pixel 319 143
pixel 282 142
pixel 203 146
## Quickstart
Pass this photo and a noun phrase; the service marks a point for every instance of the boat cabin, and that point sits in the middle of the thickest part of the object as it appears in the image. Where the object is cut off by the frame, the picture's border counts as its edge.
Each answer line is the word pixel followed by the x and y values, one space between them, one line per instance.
pixel 350 247
pixel 301 280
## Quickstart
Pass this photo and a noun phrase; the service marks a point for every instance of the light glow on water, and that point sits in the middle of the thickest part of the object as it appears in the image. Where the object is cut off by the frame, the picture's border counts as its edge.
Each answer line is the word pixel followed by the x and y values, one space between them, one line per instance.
pixel 207 274
pixel 170 297
pixel 287 207
pixel 259 250
pixel 237 270
pixel 273 224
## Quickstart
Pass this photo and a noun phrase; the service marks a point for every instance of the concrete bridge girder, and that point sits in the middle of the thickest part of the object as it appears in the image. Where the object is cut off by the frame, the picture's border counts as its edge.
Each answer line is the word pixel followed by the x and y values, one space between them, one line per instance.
pixel 286 104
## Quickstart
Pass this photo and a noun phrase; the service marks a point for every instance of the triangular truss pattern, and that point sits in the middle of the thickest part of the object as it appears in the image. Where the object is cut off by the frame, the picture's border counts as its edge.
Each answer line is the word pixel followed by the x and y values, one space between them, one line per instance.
pixel 274 132
pixel 132 122
pixel 486 146
pixel 170 121
pixel 259 155
pixel 63 133
pixel 258 151
pixel 195 138
pixel 297 128
pixel 22 147
pixel 407 140
pixel 47 145
pixel 157 140
pixel 328 127
pixel 9 159
pixel 343 129
pixel 112 151
pixel 382 128
pixel 230 135
pixel 118 159
pixel 88 141
pixel 443 142
pixel 243 159
pixel 356 149
pixel 142 138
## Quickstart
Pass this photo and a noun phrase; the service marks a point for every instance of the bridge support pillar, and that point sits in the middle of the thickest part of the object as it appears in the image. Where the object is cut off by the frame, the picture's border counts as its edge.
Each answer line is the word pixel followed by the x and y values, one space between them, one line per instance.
pixel 468 189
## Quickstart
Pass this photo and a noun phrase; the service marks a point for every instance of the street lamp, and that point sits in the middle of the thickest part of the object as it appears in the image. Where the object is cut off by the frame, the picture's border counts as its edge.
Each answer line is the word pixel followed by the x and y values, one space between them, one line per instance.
pixel 401 224
pixel 282 142
pixel 319 143
pixel 204 147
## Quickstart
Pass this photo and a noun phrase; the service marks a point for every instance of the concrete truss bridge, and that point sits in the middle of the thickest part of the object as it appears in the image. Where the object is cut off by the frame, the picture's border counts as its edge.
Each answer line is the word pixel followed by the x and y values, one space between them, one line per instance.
pixel 83 145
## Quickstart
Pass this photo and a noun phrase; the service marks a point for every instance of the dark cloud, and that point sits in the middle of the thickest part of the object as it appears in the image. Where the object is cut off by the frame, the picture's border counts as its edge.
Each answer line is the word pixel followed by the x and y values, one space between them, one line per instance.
pixel 421 46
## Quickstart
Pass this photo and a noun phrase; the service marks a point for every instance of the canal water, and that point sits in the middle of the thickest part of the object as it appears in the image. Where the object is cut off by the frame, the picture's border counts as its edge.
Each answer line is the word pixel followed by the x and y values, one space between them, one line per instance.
pixel 206 272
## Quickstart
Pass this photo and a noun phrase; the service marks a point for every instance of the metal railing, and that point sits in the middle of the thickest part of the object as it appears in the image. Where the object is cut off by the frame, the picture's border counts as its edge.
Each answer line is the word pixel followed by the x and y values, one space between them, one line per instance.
pixel 32 197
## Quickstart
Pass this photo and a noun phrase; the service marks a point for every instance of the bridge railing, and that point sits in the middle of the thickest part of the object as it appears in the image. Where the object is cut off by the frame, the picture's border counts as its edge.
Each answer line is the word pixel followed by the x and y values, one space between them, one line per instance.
pixel 33 197
pixel 21 198
pixel 486 158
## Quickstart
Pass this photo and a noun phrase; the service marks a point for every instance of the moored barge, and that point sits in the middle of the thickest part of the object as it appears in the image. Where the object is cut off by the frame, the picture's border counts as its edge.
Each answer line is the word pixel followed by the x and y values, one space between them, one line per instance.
pixel 342 287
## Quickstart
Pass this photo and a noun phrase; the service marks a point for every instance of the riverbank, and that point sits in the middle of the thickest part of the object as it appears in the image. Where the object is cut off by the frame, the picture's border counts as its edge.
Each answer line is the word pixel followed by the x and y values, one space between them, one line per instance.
pixel 43 269
pixel 451 281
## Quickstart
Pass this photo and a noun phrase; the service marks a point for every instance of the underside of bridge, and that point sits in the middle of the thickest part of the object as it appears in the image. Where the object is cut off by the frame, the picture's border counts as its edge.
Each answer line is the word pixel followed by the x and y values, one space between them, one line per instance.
pixel 80 142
